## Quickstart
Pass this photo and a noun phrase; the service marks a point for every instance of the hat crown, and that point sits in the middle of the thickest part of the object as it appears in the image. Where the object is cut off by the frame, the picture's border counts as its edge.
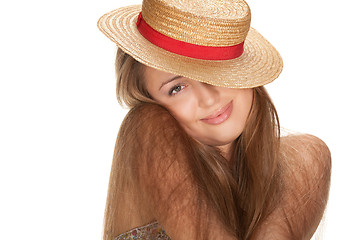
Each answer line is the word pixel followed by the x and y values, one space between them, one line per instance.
pixel 201 22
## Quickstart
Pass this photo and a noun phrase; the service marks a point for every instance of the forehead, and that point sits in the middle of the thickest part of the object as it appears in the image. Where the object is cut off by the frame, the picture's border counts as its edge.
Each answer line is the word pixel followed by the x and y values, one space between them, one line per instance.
pixel 153 76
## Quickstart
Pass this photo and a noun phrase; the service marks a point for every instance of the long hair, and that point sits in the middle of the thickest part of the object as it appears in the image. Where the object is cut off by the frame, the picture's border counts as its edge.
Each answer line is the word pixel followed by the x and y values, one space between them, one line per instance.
pixel 242 193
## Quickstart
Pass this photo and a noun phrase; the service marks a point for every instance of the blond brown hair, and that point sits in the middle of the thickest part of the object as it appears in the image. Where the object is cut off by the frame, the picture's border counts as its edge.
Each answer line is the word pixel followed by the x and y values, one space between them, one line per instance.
pixel 242 193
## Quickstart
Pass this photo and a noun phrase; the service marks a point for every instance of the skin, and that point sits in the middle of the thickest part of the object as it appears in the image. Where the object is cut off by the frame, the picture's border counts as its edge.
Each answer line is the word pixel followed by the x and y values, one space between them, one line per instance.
pixel 193 103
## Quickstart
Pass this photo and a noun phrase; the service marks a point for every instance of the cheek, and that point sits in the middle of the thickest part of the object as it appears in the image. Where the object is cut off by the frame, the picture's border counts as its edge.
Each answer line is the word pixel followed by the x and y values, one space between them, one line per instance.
pixel 184 112
pixel 243 105
pixel 247 101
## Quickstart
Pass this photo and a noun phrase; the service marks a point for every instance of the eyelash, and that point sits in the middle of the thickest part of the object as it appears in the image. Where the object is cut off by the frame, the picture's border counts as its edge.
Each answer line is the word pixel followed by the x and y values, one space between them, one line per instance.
pixel 174 87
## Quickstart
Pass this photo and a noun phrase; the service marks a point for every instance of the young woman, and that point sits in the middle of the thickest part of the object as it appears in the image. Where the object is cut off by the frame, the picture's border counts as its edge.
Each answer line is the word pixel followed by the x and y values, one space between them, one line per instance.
pixel 199 155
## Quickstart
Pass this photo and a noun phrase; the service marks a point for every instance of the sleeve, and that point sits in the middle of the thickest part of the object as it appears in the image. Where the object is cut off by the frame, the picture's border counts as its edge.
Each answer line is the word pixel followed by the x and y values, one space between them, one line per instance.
pixel 161 151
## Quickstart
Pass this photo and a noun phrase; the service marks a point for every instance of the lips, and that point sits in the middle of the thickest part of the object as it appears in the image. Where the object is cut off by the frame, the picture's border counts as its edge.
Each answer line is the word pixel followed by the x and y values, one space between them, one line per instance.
pixel 220 115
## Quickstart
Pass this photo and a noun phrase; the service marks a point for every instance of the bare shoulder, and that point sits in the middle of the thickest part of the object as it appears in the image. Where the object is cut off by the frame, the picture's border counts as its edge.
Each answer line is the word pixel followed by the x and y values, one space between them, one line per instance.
pixel 305 151
pixel 148 115
pixel 145 130
pixel 306 165
pixel 304 144
pixel 148 122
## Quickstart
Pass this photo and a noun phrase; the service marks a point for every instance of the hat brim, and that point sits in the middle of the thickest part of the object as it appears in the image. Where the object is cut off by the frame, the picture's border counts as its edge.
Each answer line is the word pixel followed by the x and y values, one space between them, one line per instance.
pixel 259 64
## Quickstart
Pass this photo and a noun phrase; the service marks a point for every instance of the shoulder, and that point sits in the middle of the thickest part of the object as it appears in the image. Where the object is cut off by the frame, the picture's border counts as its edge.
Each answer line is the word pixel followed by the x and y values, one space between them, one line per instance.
pixel 144 165
pixel 148 113
pixel 305 151
pixel 148 109
pixel 304 142
pixel 152 119
pixel 148 122
pixel 306 166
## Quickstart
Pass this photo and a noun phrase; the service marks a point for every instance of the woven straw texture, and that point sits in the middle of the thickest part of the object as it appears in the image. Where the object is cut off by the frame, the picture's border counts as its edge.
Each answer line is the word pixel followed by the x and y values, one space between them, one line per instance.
pixel 211 25
pixel 259 64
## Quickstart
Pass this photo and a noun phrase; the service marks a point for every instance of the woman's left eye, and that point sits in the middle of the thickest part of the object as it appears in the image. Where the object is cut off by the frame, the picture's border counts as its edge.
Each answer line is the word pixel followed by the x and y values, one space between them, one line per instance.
pixel 176 89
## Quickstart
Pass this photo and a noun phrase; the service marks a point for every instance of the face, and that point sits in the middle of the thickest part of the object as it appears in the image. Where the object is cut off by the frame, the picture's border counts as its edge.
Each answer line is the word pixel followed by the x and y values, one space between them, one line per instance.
pixel 212 115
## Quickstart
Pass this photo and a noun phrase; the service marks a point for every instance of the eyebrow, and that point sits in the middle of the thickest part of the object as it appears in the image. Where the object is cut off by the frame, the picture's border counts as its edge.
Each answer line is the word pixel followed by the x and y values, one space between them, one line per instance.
pixel 168 81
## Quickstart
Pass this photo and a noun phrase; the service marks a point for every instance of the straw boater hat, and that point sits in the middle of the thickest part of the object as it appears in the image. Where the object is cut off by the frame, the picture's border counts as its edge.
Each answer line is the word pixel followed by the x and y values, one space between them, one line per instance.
pixel 209 41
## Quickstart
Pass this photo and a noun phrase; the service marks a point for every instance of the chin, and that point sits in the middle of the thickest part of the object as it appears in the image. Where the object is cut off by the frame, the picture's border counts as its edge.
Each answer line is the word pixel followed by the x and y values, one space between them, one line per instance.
pixel 226 139
pixel 220 142
pixel 216 138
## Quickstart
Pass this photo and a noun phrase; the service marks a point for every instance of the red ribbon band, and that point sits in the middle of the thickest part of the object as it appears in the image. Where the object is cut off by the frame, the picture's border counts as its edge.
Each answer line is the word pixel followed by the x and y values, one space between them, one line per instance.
pixel 187 49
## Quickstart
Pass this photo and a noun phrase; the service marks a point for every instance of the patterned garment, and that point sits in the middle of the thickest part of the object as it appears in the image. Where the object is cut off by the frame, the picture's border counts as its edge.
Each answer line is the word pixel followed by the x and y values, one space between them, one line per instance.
pixel 152 231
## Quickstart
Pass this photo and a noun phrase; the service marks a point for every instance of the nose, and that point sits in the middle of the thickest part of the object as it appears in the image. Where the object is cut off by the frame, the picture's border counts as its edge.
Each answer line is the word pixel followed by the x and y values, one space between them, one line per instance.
pixel 207 94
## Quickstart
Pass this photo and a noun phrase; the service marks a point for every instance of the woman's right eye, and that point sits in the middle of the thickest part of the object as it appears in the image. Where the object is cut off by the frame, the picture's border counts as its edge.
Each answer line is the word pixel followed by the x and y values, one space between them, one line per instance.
pixel 176 89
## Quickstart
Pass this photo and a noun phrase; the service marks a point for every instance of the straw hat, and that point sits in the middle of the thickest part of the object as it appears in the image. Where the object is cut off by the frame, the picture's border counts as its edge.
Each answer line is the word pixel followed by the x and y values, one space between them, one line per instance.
pixel 209 41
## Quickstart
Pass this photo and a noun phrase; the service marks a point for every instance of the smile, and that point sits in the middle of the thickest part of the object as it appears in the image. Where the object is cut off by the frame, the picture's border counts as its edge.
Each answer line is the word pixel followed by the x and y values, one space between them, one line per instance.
pixel 220 115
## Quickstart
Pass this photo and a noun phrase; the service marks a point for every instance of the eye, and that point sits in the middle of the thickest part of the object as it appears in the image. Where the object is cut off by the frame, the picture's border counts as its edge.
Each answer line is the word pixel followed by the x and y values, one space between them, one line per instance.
pixel 176 89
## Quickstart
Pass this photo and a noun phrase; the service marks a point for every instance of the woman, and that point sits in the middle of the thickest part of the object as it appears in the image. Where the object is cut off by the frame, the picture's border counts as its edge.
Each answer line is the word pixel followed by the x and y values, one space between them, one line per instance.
pixel 199 155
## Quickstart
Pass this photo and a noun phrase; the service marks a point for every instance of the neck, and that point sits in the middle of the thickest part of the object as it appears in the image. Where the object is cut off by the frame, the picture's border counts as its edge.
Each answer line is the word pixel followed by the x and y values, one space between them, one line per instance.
pixel 226 151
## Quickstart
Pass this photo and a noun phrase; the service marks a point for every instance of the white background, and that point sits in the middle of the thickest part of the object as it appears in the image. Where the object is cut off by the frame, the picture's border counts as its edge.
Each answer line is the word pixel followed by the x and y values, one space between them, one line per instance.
pixel 59 116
